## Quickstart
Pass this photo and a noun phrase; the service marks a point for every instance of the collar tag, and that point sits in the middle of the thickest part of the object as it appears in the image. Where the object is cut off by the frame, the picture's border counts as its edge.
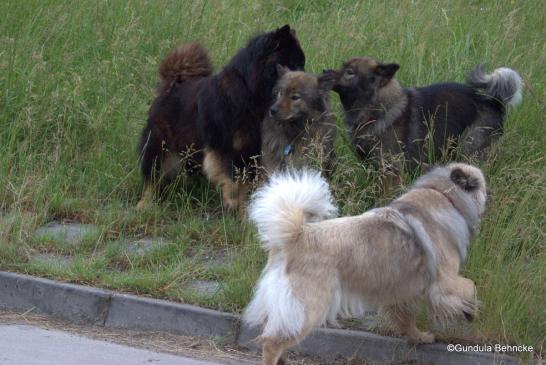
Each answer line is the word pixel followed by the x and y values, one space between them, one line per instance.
pixel 288 149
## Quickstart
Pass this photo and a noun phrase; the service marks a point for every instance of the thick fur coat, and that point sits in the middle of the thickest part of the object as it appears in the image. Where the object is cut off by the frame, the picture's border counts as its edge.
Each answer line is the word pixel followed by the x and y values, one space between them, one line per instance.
pixel 320 268
pixel 300 128
pixel 389 123
pixel 213 122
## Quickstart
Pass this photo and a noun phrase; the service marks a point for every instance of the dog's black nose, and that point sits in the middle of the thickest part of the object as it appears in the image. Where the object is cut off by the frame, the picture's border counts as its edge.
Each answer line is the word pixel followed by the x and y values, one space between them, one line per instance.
pixel 273 111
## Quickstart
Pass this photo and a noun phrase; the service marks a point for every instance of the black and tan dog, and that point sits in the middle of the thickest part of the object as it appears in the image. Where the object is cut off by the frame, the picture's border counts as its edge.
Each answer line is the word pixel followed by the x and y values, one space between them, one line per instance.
pixel 417 124
pixel 300 128
pixel 213 121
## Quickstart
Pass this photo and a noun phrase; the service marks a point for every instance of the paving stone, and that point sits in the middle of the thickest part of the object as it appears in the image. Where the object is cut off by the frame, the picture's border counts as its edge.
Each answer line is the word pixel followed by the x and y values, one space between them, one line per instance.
pixel 145 245
pixel 49 258
pixel 69 233
pixel 203 287
pixel 218 259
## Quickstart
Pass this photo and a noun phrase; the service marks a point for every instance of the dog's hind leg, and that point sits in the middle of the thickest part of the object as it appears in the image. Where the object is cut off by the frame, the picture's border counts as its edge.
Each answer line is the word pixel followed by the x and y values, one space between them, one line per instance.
pixel 316 311
pixel 147 195
pixel 150 164
pixel 169 167
pixel 391 169
pixel 273 350
pixel 404 319
pixel 217 170
pixel 478 137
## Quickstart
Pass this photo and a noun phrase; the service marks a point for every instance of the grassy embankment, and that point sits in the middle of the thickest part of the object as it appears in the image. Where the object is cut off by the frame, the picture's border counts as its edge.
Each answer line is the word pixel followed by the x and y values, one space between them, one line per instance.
pixel 76 79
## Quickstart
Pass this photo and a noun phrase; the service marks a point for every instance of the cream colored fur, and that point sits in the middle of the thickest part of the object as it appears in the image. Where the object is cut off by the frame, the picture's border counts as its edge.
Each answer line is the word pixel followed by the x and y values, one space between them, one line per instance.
pixel 319 269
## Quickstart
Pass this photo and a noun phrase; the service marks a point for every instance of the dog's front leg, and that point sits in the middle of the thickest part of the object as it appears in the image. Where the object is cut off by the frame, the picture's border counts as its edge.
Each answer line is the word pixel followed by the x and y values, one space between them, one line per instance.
pixel 391 176
pixel 460 295
pixel 147 195
pixel 242 191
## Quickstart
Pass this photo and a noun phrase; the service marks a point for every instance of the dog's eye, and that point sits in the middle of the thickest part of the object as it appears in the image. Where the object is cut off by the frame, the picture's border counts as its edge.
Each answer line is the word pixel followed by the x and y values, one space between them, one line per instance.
pixel 349 74
pixel 295 97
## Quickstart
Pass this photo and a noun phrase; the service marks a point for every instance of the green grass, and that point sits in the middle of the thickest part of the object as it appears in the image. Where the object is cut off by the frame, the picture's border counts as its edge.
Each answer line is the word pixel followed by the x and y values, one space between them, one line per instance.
pixel 77 78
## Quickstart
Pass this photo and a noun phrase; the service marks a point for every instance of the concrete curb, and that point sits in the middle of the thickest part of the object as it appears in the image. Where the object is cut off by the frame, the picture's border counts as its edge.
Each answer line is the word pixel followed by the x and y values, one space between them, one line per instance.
pixel 329 343
pixel 132 312
pixel 75 303
pixel 81 304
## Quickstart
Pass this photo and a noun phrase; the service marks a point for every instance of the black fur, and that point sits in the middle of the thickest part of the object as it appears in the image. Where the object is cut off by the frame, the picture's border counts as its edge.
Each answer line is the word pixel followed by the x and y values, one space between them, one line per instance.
pixel 204 111
pixel 452 108
pixel 466 182
pixel 416 124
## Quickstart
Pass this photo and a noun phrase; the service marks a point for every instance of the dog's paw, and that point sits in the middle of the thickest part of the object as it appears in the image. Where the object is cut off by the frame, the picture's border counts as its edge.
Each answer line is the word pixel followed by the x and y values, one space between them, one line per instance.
pixel 243 213
pixel 142 204
pixel 471 309
pixel 230 203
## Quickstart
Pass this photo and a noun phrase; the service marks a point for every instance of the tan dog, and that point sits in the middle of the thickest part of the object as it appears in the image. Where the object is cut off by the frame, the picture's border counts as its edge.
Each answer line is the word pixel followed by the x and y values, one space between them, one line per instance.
pixel 388 257
pixel 299 129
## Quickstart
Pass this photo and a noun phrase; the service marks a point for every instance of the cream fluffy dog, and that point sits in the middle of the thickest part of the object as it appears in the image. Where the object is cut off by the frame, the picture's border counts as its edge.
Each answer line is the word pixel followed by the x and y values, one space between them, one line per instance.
pixel 389 257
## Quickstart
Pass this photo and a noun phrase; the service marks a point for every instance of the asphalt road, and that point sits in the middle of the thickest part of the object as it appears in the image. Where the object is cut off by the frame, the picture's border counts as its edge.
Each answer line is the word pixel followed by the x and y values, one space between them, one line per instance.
pixel 32 345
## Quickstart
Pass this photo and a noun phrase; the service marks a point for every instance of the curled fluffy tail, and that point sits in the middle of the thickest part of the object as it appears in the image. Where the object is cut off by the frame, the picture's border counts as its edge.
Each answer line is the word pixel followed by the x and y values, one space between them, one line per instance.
pixel 503 84
pixel 186 61
pixel 287 201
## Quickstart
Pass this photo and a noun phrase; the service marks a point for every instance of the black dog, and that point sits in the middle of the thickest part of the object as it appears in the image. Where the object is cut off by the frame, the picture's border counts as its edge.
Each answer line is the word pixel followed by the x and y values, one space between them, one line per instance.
pixel 213 121
pixel 417 124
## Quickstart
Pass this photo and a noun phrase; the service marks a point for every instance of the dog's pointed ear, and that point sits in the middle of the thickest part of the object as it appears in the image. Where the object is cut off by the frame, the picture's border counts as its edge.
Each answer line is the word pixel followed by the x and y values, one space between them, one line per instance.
pixel 386 72
pixel 284 31
pixel 466 182
pixel 281 70
pixel 326 81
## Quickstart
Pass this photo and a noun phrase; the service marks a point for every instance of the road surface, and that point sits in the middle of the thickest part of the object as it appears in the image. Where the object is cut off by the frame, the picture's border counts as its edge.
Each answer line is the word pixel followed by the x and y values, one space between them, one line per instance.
pixel 32 345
